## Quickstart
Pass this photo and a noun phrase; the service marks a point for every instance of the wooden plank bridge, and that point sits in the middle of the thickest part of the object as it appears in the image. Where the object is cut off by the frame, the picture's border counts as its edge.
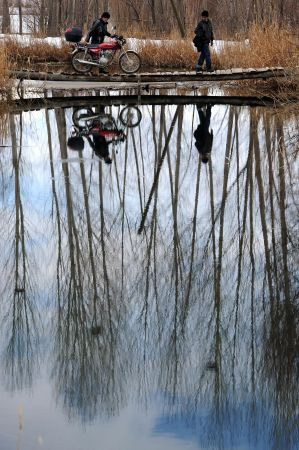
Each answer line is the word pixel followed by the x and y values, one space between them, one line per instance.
pixel 32 104
pixel 156 77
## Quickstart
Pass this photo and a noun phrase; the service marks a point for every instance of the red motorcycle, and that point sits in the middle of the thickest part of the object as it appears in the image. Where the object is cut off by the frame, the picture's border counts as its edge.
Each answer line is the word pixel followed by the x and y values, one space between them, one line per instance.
pixel 86 56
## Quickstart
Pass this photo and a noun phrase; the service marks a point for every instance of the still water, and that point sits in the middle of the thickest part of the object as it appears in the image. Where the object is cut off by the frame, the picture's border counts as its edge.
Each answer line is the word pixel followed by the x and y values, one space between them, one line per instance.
pixel 149 292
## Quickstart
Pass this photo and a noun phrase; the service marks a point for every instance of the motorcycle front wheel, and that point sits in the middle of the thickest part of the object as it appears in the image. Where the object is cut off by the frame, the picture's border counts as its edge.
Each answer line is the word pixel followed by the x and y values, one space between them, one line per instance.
pixel 130 116
pixel 130 62
pixel 77 65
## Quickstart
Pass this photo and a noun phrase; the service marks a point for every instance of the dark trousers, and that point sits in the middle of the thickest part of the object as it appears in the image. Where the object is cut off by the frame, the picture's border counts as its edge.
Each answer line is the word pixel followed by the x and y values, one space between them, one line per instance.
pixel 205 56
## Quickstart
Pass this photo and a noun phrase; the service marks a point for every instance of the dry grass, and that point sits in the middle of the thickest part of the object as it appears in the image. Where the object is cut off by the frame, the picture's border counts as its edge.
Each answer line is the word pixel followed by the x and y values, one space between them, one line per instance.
pixel 170 54
pixel 4 70
pixel 288 90
pixel 262 47
pixel 266 47
pixel 3 64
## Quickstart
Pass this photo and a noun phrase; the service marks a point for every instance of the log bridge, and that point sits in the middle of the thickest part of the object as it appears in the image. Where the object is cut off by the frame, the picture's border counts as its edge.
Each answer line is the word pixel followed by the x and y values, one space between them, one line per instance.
pixel 33 104
pixel 156 77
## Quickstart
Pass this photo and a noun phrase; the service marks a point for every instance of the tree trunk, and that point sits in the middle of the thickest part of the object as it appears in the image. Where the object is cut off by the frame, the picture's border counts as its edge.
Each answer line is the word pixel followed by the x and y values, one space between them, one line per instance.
pixel 5 17
pixel 42 22
pixel 53 20
pixel 178 19
pixel 153 11
pixel 20 17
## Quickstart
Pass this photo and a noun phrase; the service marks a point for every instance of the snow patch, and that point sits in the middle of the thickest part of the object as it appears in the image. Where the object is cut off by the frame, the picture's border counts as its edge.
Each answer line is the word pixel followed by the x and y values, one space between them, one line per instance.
pixel 133 43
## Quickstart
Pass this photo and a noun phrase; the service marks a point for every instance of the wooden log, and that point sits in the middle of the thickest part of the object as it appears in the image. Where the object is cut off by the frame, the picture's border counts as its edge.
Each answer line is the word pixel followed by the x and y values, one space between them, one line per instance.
pixel 227 75
pixel 82 101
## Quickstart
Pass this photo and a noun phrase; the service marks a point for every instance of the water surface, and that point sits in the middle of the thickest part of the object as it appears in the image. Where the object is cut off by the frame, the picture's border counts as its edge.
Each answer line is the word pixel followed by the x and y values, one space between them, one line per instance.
pixel 150 303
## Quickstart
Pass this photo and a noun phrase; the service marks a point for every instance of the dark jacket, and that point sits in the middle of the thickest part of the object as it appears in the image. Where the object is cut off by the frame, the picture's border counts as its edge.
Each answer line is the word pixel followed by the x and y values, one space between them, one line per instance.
pixel 97 32
pixel 204 31
pixel 203 137
pixel 100 146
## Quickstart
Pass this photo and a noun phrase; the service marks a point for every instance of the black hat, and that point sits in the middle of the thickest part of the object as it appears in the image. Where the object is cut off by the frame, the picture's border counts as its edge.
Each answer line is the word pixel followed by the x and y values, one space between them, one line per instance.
pixel 205 13
pixel 76 143
pixel 106 14
pixel 108 160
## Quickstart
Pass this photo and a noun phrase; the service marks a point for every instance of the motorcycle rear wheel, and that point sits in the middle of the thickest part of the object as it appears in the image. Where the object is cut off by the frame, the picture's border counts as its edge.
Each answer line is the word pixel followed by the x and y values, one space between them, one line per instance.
pixel 82 114
pixel 130 62
pixel 79 67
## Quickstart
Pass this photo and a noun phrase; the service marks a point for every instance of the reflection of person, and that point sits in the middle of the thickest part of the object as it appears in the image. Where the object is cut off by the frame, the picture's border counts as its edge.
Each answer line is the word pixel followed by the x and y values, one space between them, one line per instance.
pixel 101 147
pixel 98 144
pixel 203 137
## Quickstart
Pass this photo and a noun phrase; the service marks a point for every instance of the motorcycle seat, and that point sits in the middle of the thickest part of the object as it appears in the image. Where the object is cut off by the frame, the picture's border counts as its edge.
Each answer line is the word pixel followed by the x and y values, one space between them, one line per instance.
pixel 92 45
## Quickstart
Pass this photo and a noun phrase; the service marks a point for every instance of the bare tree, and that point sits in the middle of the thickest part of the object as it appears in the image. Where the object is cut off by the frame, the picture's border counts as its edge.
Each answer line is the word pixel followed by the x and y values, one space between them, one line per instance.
pixel 5 17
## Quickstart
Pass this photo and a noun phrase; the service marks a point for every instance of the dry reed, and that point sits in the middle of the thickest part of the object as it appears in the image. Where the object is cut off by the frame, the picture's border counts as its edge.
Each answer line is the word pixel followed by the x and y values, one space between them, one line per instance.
pixel 4 70
pixel 168 54
pixel 269 46
pixel 263 47
pixel 35 52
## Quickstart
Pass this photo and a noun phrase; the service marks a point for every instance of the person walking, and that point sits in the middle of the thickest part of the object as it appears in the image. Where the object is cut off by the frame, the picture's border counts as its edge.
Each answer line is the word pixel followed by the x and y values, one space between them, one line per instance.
pixel 204 37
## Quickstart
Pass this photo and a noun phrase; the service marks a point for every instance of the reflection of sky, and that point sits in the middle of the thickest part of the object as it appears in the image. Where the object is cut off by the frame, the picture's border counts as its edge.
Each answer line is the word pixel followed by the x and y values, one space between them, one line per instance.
pixel 234 428
pixel 36 175
pixel 45 427
pixel 133 428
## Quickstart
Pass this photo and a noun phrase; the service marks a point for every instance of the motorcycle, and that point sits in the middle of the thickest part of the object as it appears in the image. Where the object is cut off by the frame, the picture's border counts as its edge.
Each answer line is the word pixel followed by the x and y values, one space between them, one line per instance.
pixel 86 56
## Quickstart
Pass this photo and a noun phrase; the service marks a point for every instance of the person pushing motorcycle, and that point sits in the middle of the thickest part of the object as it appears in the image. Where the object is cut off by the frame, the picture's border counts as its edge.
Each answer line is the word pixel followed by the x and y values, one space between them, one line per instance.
pixel 98 29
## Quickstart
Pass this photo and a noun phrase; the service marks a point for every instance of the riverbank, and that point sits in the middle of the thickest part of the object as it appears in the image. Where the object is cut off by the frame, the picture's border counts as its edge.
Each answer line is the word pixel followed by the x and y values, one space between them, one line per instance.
pixel 267 47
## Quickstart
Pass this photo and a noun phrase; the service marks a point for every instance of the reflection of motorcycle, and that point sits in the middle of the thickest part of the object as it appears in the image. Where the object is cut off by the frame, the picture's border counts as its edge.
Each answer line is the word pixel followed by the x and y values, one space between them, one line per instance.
pixel 86 56
pixel 130 117
pixel 101 129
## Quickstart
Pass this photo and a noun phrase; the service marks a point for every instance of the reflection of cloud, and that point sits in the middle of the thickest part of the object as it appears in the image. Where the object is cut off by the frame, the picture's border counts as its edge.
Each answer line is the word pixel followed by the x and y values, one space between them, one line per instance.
pixel 249 425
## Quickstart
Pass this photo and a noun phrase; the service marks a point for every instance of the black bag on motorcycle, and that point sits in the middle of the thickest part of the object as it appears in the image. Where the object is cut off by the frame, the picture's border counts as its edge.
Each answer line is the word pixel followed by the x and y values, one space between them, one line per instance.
pixel 73 34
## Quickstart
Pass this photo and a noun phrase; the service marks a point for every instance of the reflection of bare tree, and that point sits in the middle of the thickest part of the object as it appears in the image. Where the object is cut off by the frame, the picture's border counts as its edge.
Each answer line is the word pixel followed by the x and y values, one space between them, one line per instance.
pixel 185 307
pixel 85 369
pixel 262 204
pixel 282 343
pixel 242 234
pixel 202 308
pixel 20 319
pixel 55 202
pixel 249 289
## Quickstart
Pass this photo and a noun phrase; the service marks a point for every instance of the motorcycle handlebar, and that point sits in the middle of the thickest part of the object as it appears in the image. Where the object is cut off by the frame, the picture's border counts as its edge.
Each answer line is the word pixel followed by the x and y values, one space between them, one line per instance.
pixel 119 38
